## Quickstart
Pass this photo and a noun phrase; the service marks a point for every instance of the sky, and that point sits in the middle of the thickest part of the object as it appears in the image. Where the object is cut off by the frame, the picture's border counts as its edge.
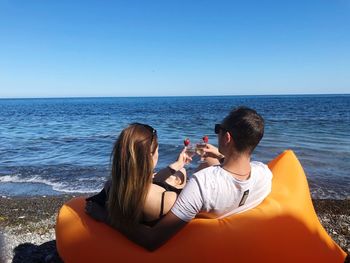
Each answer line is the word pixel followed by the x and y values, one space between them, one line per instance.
pixel 79 48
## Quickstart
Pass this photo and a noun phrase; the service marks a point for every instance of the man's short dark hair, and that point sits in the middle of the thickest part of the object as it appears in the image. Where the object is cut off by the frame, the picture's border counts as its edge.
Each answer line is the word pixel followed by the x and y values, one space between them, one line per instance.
pixel 246 127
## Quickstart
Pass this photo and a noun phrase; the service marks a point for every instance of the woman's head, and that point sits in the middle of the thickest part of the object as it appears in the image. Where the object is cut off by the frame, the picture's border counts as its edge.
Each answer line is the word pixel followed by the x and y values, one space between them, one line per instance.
pixel 134 157
pixel 137 142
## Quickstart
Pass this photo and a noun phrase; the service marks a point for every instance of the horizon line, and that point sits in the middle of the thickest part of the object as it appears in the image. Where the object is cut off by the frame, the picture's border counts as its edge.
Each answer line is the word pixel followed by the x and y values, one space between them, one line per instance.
pixel 169 96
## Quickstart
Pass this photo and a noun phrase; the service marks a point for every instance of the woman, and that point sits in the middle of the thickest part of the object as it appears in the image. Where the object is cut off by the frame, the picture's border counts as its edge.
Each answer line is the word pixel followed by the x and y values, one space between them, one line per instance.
pixel 131 195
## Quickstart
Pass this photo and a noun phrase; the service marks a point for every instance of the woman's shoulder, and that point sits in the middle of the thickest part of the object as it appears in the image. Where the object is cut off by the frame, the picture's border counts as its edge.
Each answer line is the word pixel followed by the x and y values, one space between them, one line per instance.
pixel 156 199
pixel 155 189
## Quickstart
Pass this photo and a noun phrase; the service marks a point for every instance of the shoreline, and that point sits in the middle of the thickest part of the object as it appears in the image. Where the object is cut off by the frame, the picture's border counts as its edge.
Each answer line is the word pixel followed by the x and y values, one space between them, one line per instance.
pixel 28 225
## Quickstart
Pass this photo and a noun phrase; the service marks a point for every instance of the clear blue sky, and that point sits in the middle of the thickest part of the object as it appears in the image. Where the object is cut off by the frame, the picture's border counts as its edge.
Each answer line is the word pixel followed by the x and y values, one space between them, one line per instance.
pixel 146 48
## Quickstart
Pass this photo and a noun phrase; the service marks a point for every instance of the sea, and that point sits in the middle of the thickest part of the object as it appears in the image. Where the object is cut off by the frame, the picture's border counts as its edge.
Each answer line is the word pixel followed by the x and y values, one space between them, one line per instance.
pixel 63 145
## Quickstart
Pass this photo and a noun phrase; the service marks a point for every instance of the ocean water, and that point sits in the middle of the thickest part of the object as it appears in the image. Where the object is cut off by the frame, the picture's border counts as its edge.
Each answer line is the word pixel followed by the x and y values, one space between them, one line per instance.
pixel 55 146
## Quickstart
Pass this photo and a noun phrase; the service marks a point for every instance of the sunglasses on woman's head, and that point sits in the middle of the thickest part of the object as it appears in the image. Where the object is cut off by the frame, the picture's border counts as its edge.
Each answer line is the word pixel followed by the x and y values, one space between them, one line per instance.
pixel 150 128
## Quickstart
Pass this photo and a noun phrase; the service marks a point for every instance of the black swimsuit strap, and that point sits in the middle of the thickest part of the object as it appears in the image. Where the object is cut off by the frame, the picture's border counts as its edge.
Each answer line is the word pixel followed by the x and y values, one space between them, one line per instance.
pixel 162 205
pixel 168 187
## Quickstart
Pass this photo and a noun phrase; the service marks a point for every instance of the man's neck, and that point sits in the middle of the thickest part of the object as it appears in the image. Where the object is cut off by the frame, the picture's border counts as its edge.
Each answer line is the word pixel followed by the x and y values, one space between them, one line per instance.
pixel 238 166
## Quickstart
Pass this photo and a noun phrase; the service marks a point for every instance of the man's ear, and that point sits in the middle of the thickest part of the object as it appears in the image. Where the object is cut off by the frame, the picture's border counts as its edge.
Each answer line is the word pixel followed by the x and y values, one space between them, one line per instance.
pixel 228 138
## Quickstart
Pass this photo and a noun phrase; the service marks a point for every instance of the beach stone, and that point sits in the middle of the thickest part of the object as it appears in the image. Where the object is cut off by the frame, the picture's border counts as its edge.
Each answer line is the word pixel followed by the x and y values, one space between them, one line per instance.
pixel 2 248
pixel 33 239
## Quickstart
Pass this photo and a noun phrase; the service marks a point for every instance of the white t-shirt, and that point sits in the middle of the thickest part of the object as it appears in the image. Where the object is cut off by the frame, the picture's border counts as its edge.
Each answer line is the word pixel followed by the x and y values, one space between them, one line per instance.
pixel 215 191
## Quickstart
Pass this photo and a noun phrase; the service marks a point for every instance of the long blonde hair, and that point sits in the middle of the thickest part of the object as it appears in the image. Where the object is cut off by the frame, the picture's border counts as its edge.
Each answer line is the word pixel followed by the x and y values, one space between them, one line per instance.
pixel 132 169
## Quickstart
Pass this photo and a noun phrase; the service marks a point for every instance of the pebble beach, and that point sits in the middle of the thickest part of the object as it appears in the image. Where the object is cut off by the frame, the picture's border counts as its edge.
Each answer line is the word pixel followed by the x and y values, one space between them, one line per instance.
pixel 28 226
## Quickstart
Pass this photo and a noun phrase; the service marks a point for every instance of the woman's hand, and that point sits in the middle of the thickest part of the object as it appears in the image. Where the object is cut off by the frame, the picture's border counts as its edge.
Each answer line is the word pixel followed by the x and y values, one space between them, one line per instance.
pixel 181 161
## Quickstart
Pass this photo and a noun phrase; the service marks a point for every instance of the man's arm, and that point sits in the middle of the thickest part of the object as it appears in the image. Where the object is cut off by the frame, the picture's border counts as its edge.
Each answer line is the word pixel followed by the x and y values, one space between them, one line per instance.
pixel 187 205
pixel 153 237
pixel 148 237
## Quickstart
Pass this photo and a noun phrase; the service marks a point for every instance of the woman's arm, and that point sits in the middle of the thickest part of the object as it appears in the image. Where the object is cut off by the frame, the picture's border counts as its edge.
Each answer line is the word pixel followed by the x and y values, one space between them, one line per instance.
pixel 173 168
pixel 164 174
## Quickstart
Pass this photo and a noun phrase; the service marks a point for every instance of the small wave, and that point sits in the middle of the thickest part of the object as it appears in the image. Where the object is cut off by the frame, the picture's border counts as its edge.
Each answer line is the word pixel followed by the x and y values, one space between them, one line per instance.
pixel 69 187
pixel 12 179
pixel 99 179
pixel 323 192
pixel 80 191
pixel 35 179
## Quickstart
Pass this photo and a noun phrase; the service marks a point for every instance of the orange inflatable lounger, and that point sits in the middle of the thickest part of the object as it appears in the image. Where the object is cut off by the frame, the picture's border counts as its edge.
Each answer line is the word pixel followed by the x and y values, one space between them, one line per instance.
pixel 283 228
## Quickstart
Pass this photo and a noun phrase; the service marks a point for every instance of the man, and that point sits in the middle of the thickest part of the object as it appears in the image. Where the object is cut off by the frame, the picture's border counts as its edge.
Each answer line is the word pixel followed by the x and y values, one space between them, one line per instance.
pixel 218 190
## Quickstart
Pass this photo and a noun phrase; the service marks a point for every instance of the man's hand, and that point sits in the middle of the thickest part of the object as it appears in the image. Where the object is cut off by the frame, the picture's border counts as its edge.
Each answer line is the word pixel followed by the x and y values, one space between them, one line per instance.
pixel 96 211
pixel 213 152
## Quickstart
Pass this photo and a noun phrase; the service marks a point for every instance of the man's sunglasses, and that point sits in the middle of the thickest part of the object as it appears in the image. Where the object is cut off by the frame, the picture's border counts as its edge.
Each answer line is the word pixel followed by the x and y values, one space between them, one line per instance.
pixel 219 127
